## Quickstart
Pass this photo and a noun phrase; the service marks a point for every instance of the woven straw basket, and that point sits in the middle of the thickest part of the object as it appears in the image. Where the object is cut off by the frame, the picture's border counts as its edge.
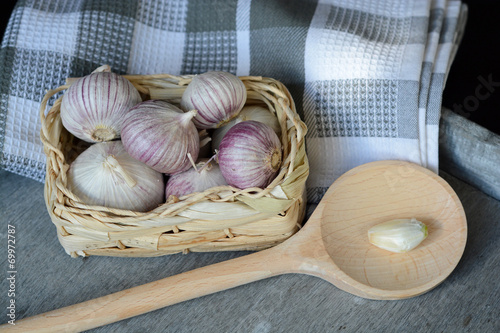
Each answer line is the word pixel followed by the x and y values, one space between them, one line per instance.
pixel 248 219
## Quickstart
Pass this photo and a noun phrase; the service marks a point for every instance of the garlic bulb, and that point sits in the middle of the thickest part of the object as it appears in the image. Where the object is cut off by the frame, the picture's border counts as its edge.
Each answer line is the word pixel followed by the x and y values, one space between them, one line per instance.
pixel 106 175
pixel 93 107
pixel 204 175
pixel 251 112
pixel 250 155
pixel 400 235
pixel 161 135
pixel 217 96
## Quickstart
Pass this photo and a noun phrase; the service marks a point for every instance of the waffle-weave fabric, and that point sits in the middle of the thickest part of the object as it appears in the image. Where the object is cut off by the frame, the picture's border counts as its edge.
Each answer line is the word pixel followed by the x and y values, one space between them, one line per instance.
pixel 367 76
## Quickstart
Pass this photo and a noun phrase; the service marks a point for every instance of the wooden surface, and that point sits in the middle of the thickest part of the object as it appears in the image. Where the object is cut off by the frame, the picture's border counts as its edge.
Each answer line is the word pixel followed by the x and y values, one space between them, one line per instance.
pixel 48 279
pixel 333 245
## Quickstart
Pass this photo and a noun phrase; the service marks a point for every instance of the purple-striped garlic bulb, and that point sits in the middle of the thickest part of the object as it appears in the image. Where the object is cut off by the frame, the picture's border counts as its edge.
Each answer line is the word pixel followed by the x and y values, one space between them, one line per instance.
pixel 250 155
pixel 251 112
pixel 106 175
pixel 93 107
pixel 217 96
pixel 161 135
pixel 204 175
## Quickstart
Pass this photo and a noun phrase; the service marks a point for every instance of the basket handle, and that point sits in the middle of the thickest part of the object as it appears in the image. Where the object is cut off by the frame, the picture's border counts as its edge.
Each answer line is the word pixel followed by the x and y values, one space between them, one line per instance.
pixel 155 295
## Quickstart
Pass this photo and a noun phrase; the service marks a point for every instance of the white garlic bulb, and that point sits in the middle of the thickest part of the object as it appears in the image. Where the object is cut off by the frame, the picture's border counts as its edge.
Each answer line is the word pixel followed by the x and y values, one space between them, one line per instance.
pixel 400 235
pixel 161 135
pixel 106 175
pixel 93 107
pixel 204 175
pixel 216 96
pixel 251 112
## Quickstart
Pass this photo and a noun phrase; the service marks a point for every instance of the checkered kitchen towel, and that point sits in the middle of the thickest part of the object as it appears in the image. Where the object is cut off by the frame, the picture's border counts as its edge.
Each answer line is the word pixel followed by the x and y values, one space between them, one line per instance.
pixel 366 75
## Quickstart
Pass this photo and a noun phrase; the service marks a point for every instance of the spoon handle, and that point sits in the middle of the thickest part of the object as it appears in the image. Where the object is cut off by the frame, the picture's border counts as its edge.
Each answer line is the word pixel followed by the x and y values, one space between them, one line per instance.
pixel 155 295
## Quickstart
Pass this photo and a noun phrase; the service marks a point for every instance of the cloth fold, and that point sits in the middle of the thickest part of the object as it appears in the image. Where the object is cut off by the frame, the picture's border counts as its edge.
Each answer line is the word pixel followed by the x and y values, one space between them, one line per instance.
pixel 367 76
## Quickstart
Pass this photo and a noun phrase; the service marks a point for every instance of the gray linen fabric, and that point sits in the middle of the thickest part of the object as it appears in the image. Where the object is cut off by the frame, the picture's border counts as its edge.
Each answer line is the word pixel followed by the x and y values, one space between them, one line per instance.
pixel 366 76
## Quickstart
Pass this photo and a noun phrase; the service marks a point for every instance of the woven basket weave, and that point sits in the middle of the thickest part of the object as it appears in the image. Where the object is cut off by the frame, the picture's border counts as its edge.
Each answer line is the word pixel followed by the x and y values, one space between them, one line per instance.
pixel 249 219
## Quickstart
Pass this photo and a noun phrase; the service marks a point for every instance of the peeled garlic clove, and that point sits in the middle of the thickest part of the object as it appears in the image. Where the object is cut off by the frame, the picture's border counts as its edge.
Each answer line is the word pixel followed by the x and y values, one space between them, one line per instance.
pixel 251 112
pixel 106 175
pixel 400 235
pixel 93 107
pixel 206 174
pixel 250 155
pixel 161 135
pixel 216 96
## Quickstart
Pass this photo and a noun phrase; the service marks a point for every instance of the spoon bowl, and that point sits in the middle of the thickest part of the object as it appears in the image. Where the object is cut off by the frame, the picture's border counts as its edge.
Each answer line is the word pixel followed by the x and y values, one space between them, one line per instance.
pixel 381 191
pixel 333 245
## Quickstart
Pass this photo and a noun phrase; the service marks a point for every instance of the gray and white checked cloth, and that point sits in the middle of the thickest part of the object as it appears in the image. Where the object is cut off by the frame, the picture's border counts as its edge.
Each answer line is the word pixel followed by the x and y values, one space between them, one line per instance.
pixel 366 75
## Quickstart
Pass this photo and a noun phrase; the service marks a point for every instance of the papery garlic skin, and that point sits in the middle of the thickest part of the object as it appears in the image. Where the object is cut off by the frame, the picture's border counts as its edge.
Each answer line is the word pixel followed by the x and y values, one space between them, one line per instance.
pixel 206 175
pixel 205 144
pixel 106 175
pixel 216 96
pixel 250 155
pixel 93 107
pixel 161 135
pixel 399 235
pixel 251 112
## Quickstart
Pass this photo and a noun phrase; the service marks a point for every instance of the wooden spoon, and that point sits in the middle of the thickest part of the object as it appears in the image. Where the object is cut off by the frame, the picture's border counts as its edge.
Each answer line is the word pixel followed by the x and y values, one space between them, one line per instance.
pixel 333 245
